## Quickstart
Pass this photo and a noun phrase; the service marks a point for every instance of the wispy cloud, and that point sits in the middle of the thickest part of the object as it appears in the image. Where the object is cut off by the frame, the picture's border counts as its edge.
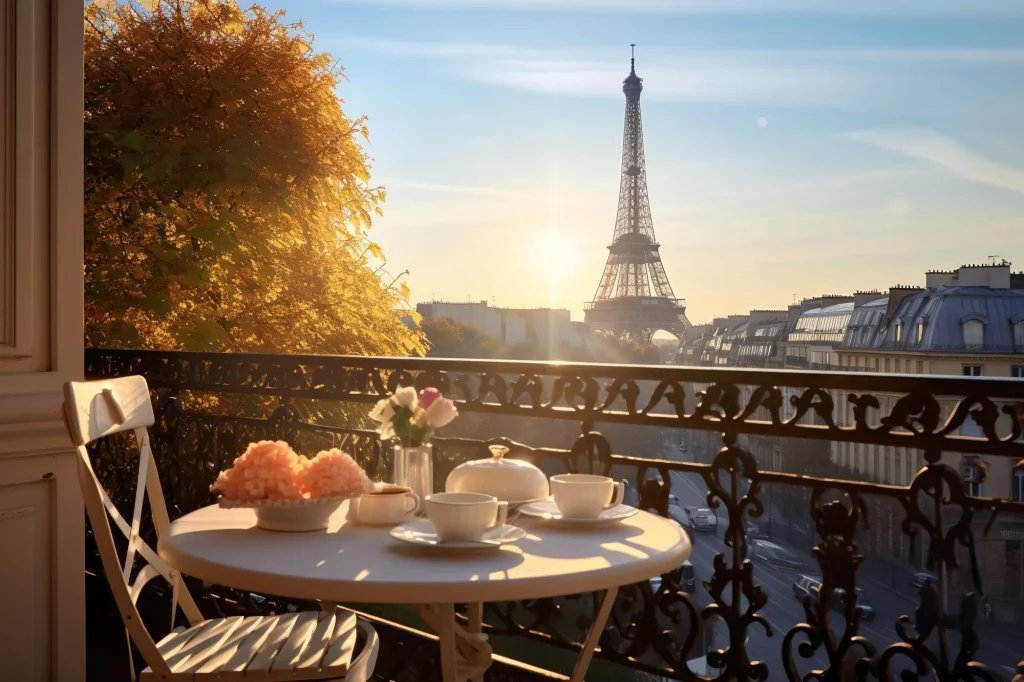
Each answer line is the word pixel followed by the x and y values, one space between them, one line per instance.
pixel 725 6
pixel 809 77
pixel 946 153
pixel 472 190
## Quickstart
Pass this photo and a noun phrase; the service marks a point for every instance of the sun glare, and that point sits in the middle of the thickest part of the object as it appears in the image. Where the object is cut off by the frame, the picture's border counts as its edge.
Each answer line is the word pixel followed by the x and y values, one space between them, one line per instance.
pixel 555 257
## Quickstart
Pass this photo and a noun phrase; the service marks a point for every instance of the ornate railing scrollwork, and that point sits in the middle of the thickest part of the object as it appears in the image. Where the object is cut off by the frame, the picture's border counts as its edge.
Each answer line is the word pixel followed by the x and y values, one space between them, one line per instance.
pixel 655 628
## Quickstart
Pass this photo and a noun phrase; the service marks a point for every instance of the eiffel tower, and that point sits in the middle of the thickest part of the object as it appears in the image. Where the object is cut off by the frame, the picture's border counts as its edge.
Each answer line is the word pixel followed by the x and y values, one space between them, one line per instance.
pixel 634 298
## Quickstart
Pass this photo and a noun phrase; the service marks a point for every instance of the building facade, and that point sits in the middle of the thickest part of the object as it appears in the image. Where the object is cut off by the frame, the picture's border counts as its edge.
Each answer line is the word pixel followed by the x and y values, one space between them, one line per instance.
pixel 549 329
pixel 968 321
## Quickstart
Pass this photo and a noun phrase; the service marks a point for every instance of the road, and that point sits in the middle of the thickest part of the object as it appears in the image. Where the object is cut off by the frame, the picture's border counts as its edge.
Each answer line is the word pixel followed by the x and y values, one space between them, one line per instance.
pixel 783 610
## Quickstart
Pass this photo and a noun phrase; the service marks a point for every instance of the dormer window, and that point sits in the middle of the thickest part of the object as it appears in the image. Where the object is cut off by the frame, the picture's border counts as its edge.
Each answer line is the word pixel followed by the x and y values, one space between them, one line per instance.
pixel 974 333
pixel 919 333
pixel 899 332
pixel 1018 335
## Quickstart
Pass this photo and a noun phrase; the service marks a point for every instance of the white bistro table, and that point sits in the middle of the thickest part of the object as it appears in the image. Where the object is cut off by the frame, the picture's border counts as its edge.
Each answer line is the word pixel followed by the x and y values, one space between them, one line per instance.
pixel 350 562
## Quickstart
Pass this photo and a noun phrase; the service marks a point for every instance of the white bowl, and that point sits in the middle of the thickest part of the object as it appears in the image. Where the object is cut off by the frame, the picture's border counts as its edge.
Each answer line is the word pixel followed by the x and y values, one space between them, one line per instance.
pixel 291 516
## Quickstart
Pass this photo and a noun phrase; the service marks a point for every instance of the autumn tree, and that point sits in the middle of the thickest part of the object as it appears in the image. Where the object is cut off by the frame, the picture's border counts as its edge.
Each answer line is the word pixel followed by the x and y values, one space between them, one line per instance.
pixel 228 198
pixel 450 339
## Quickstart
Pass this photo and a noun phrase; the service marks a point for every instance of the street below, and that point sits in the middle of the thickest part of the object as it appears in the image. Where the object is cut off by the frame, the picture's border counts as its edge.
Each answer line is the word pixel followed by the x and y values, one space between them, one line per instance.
pixel 784 610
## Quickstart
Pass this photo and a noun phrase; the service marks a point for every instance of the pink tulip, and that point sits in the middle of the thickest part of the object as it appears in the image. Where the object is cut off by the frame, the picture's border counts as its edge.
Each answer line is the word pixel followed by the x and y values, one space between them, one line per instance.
pixel 428 396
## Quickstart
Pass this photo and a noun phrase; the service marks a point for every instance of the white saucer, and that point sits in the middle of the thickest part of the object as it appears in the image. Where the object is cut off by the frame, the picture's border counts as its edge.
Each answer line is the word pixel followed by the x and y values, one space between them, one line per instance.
pixel 547 510
pixel 422 533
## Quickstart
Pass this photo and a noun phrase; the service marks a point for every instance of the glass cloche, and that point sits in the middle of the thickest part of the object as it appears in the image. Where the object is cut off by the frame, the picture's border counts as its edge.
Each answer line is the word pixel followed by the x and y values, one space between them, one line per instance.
pixel 511 480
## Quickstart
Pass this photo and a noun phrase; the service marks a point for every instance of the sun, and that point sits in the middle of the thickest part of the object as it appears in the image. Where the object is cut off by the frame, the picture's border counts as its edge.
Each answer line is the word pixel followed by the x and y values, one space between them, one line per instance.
pixel 554 255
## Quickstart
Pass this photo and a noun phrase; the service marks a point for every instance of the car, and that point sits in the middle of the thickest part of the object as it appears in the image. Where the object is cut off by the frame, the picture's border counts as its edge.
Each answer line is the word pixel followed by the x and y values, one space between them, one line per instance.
pixel 679 515
pixel 838 602
pixel 918 580
pixel 864 606
pixel 704 520
pixel 754 532
pixel 806 586
pixel 775 555
pixel 687 579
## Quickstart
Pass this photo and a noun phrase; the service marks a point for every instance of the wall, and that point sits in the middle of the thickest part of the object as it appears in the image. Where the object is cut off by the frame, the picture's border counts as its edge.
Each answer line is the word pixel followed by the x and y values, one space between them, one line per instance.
pixel 42 575
pixel 477 315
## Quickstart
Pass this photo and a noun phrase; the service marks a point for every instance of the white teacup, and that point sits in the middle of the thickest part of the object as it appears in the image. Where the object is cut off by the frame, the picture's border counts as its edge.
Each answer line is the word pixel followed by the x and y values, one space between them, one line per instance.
pixel 387 504
pixel 585 496
pixel 464 516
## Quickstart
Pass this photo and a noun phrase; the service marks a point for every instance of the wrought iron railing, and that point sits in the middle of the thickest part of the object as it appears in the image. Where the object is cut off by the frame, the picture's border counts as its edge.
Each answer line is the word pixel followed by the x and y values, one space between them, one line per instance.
pixel 210 405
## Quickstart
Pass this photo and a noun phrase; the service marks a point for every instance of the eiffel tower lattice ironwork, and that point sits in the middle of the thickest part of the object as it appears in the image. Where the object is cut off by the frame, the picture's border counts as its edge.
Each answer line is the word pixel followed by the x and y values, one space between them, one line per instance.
pixel 634 298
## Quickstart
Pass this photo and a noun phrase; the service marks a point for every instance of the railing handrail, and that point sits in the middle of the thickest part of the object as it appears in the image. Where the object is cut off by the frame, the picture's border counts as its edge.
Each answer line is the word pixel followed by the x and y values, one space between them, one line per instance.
pixel 578 395
pixel 938 384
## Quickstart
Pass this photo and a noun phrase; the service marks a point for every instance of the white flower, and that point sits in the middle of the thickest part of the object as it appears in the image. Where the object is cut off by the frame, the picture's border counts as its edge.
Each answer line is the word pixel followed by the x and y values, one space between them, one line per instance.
pixel 405 397
pixel 383 411
pixel 441 412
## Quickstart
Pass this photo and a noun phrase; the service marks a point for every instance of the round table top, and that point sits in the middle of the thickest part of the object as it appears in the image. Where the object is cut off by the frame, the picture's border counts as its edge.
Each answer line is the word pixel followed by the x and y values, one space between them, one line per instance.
pixel 350 562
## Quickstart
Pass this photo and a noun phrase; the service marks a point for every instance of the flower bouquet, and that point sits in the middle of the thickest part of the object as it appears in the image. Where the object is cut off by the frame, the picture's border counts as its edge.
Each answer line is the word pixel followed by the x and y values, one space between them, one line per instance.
pixel 288 491
pixel 411 418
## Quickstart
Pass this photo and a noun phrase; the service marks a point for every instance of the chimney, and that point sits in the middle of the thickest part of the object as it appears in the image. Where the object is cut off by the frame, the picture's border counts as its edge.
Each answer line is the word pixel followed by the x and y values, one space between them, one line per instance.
pixel 896 296
pixel 825 301
pixel 939 278
pixel 995 276
pixel 862 297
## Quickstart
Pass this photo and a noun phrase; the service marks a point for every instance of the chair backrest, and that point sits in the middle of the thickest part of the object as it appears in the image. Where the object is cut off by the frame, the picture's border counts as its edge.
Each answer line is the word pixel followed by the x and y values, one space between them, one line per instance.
pixel 94 410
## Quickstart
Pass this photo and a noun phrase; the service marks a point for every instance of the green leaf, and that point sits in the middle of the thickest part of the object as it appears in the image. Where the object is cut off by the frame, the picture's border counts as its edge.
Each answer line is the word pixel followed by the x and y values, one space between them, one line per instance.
pixel 130 163
pixel 133 141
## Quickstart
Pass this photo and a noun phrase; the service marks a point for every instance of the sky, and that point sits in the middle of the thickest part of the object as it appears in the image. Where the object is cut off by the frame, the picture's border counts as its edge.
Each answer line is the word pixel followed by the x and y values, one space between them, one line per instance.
pixel 794 147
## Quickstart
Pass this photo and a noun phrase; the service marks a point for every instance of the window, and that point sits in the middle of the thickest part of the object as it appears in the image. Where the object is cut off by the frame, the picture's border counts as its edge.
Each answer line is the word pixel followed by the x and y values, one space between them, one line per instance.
pixel 919 336
pixel 972 370
pixel 974 333
pixel 1017 485
pixel 1018 334
pixel 973 471
pixel 888 368
pixel 920 366
pixel 1017 371
pixel 897 361
pixel 899 332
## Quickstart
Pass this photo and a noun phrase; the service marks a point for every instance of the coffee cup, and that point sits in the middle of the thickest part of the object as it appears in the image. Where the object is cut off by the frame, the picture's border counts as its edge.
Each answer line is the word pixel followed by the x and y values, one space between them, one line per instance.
pixel 386 504
pixel 464 516
pixel 585 496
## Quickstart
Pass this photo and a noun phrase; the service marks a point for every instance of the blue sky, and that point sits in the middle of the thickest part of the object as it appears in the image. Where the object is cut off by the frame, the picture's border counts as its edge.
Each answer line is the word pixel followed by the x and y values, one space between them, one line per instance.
pixel 894 140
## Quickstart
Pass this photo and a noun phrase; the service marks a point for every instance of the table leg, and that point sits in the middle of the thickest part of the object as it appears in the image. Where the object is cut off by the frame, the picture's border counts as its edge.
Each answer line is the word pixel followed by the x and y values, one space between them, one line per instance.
pixel 475 612
pixel 449 653
pixel 594 635
pixel 465 655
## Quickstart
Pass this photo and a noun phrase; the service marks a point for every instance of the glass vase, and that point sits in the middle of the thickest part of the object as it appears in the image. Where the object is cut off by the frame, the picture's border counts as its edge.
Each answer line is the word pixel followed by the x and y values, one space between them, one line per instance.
pixel 413 467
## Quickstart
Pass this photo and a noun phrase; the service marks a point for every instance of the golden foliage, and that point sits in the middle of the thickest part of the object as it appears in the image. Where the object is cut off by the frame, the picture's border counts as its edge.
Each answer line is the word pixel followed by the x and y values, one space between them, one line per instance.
pixel 227 197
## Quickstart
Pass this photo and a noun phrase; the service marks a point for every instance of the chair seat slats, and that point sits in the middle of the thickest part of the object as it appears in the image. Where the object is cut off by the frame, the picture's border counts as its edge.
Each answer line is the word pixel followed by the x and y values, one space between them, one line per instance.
pixel 343 643
pixel 262 661
pixel 172 644
pixel 318 641
pixel 223 651
pixel 243 652
pixel 206 642
pixel 288 657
